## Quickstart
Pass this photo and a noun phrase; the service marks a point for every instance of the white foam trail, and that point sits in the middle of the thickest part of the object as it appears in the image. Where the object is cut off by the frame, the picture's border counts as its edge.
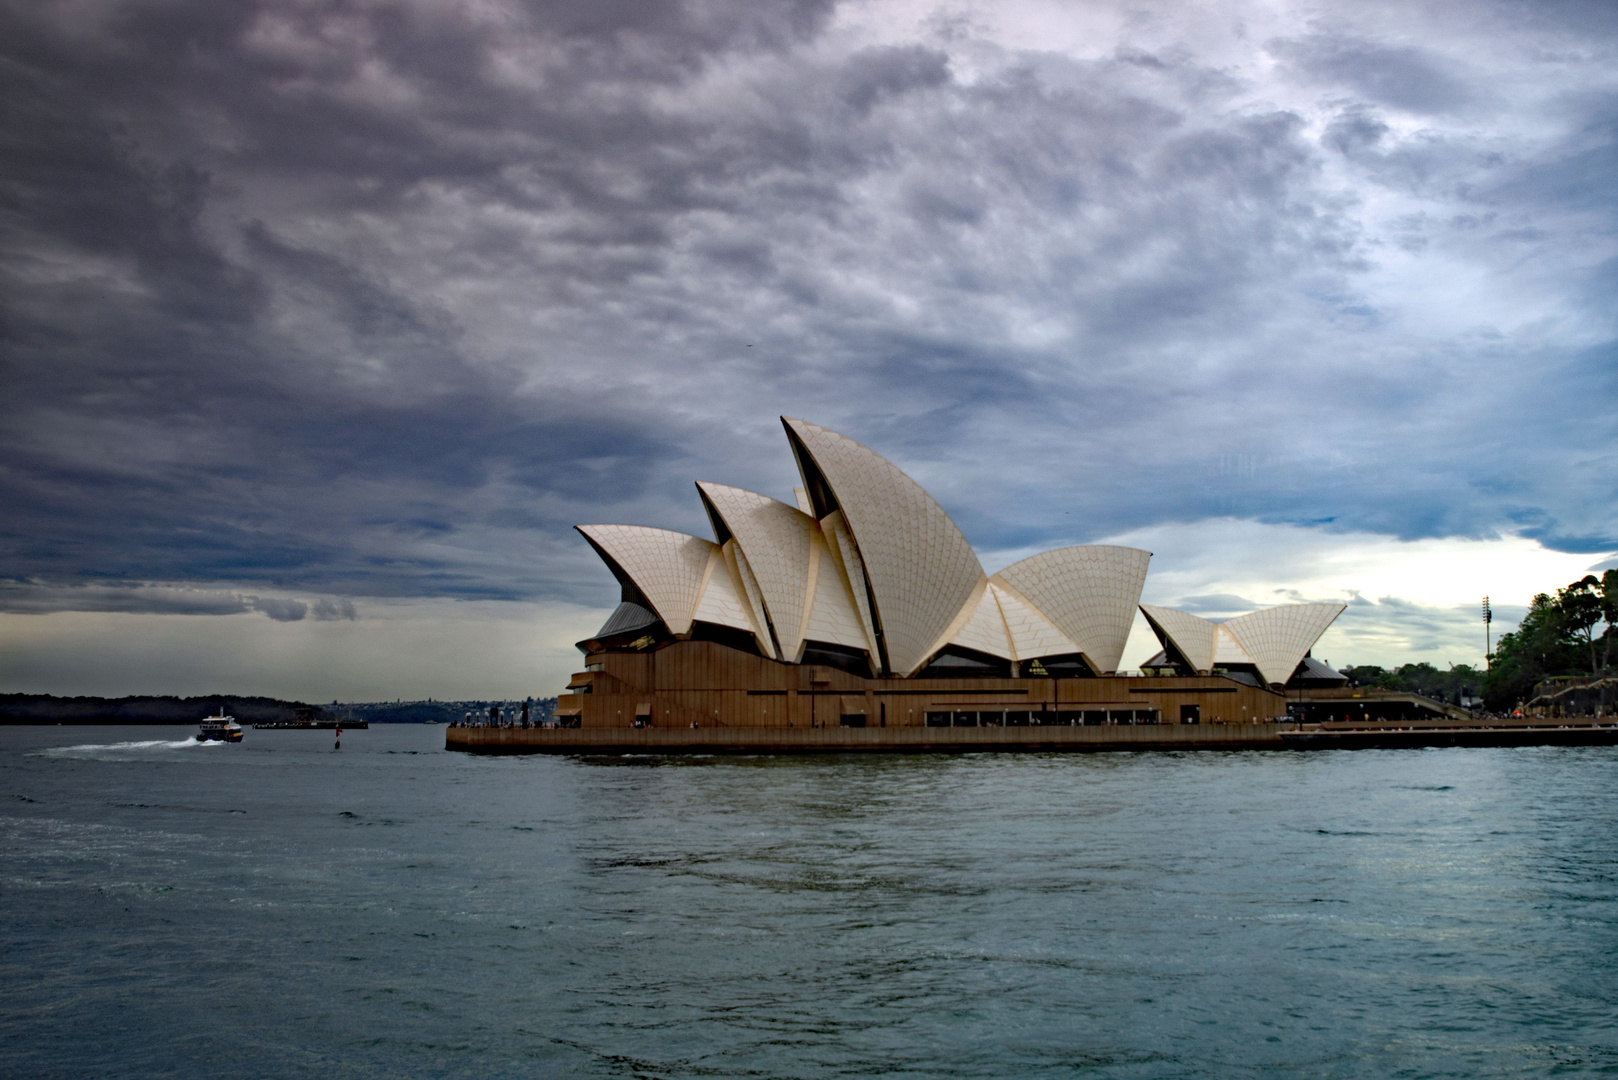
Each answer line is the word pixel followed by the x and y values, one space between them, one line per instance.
pixel 84 749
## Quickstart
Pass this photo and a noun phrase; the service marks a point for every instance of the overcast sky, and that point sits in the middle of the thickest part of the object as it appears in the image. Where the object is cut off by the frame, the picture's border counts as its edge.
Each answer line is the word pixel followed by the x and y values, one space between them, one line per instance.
pixel 323 323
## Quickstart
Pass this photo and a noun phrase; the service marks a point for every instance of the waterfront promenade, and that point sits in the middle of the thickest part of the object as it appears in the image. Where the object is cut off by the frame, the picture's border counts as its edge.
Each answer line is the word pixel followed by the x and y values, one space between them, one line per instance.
pixel 798 740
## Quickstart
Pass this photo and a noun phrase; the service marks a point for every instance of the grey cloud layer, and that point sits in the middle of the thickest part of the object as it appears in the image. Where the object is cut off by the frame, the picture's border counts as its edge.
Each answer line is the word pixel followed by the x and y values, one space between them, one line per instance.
pixel 379 299
pixel 148 598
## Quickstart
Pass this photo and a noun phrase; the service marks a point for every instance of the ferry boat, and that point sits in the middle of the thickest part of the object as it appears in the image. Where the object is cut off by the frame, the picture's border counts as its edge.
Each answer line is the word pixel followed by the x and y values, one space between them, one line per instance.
pixel 219 728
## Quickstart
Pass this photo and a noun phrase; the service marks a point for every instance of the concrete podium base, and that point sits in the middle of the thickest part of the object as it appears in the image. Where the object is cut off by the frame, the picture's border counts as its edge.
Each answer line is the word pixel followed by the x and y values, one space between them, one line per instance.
pixel 846 740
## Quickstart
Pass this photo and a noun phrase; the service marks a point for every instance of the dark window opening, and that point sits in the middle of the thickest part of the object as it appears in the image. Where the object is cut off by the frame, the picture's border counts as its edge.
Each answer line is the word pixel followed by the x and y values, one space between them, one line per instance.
pixel 729 636
pixel 1169 661
pixel 852 720
pixel 938 719
pixel 1065 666
pixel 841 657
pixel 1246 674
pixel 1190 714
pixel 954 662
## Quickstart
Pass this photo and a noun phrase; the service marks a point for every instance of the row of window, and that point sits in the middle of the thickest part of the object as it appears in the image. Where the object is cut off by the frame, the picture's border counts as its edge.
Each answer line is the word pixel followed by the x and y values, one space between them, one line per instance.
pixel 1085 718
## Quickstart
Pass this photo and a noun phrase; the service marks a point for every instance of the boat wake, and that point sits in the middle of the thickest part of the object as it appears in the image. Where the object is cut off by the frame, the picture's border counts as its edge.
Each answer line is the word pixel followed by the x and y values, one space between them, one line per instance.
pixel 104 749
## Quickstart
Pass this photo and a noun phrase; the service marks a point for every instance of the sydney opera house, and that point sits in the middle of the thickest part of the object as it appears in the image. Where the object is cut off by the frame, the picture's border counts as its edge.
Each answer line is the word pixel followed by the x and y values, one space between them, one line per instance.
pixel 863 605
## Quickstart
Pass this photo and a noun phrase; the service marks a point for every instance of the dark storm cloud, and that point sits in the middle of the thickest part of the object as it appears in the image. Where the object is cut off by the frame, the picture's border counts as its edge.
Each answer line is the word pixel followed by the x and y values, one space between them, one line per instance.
pixel 328 610
pixel 381 299
pixel 281 610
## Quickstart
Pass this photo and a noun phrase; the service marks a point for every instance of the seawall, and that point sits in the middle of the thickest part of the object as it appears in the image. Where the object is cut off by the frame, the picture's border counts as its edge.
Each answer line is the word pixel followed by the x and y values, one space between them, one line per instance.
pixel 847 740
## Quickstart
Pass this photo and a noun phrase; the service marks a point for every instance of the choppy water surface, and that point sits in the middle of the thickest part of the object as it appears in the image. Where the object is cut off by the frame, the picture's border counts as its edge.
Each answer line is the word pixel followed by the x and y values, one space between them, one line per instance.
pixel 277 909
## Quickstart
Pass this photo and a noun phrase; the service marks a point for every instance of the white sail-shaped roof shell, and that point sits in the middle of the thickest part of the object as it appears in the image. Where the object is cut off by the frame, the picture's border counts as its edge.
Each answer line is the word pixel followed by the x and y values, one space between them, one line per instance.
pixel 775 540
pixel 720 603
pixel 742 575
pixel 669 568
pixel 1032 634
pixel 1191 635
pixel 985 629
pixel 1227 650
pixel 831 616
pixel 920 568
pixel 1278 638
pixel 1274 640
pixel 845 557
pixel 1089 592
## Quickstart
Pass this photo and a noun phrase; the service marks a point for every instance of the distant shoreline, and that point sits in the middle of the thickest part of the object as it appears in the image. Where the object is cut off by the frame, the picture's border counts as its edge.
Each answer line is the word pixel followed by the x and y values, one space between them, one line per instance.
pixel 51 710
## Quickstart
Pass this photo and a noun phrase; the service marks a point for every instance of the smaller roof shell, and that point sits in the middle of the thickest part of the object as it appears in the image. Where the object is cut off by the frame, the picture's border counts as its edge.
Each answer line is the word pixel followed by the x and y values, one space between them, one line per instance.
pixel 1089 591
pixel 1191 635
pixel 1274 640
pixel 666 567
pixel 1278 638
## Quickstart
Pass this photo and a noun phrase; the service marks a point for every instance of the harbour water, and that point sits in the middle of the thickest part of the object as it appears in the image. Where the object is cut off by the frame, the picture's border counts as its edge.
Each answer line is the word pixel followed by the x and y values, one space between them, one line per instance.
pixel 277 908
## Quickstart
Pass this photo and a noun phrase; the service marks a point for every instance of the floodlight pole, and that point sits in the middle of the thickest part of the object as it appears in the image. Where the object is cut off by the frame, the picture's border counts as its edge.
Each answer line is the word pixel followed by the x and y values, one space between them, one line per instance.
pixel 1488 617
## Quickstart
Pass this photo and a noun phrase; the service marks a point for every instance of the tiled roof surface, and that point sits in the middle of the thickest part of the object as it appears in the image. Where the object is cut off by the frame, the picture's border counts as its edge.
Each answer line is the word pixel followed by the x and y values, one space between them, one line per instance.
pixel 1089 592
pixel 985 631
pixel 774 539
pixel 1227 650
pixel 666 566
pixel 720 603
pixel 1032 634
pixel 625 617
pixel 846 558
pixel 1277 638
pixel 921 569
pixel 831 616
pixel 1191 634
pixel 736 563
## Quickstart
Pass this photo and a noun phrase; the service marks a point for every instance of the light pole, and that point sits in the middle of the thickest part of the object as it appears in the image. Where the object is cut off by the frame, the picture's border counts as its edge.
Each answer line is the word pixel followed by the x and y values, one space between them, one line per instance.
pixel 1488 617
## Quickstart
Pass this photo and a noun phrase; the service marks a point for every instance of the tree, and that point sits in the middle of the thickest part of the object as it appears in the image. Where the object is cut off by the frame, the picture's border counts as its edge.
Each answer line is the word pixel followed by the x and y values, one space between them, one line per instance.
pixel 1365 675
pixel 1609 614
pixel 1542 645
pixel 1461 680
pixel 1580 605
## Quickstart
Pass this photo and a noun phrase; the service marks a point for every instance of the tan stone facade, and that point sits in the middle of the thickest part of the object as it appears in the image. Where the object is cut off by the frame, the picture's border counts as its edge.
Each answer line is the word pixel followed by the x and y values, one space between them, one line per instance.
pixel 707 683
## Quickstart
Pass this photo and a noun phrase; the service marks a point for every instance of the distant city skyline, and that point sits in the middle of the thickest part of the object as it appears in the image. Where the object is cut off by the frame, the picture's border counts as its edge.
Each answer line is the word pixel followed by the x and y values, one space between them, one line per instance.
pixel 322 327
